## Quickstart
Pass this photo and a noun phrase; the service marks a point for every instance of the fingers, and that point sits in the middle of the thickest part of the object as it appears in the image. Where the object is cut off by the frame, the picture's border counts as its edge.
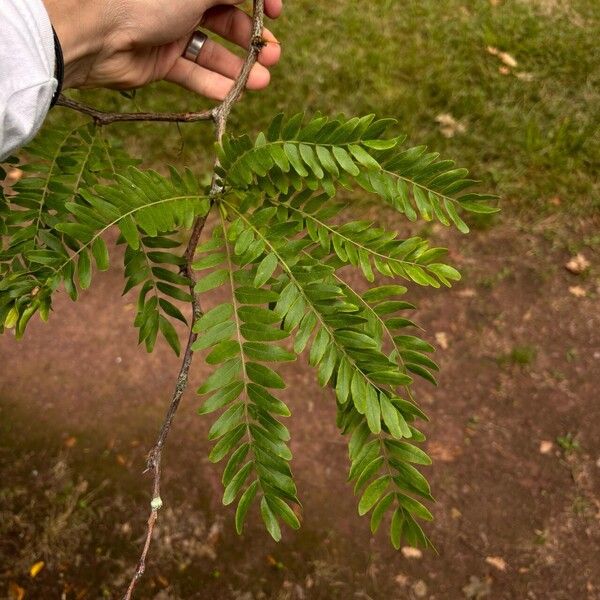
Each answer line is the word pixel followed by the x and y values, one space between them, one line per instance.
pixel 215 57
pixel 273 8
pixel 235 25
pixel 199 80
pixel 216 78
pixel 217 67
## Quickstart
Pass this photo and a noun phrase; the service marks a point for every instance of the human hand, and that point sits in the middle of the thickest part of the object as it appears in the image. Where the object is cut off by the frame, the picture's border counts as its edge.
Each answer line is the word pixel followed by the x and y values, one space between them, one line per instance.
pixel 125 44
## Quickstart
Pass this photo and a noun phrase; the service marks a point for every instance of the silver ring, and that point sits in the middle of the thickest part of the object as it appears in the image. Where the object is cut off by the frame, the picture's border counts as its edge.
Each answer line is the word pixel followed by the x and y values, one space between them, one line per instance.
pixel 192 50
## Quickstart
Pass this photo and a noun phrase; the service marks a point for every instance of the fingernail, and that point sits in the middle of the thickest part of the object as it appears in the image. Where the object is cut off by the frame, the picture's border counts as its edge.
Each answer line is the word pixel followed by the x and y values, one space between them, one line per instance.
pixel 269 37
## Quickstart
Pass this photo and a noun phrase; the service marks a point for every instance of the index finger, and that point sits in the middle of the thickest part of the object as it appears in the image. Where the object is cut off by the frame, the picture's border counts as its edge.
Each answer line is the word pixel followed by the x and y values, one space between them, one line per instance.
pixel 273 8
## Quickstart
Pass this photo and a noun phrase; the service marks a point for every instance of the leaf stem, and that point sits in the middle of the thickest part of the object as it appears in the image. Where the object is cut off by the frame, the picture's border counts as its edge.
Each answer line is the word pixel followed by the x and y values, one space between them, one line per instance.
pixel 238 333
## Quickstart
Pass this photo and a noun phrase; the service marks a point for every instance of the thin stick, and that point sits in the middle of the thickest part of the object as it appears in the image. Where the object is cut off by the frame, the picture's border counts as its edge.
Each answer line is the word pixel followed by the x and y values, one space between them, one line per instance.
pixel 256 44
pixel 220 116
pixel 154 461
pixel 102 118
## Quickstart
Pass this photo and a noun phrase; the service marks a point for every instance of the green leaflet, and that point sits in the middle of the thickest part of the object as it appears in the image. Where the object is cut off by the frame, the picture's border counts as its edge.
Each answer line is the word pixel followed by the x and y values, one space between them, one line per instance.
pixel 243 506
pixel 234 486
pixel 396 529
pixel 372 494
pixel 267 352
pixel 281 509
pixel 264 375
pixel 270 520
pixel 223 397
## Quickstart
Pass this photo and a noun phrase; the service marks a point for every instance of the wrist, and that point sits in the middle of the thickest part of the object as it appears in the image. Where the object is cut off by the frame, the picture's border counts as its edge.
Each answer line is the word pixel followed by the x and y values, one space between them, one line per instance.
pixel 79 27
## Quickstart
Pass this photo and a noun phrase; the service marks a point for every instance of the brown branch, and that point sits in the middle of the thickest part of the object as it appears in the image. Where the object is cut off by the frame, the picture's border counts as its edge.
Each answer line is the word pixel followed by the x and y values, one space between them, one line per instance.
pixel 102 118
pixel 256 44
pixel 155 455
pixel 220 116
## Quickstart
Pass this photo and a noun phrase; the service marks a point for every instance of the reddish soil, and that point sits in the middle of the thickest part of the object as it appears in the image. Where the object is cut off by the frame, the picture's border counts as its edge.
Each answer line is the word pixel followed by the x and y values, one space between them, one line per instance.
pixel 517 512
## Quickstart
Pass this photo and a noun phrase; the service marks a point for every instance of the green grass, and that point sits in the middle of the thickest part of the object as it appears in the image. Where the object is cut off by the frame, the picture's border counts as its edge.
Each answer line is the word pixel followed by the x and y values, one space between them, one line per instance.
pixel 522 356
pixel 568 443
pixel 528 140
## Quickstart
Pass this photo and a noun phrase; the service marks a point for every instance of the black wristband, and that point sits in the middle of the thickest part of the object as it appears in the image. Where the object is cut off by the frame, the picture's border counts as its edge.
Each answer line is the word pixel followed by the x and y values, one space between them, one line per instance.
pixel 59 68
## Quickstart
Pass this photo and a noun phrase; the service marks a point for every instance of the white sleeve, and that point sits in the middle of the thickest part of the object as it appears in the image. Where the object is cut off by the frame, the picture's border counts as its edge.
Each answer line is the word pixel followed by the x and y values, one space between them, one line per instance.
pixel 27 82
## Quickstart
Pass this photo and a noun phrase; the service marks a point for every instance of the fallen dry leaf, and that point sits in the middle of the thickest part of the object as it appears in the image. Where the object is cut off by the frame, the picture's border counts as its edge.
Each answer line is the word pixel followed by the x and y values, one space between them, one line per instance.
pixel 13 176
pixel 467 293
pixel 126 528
pixel 497 562
pixel 36 568
pixel 419 589
pixel 577 291
pixel 449 126
pixel 524 76
pixel 455 513
pixel 477 589
pixel 214 533
pixel 590 587
pixel 273 562
pixel 505 57
pixel 443 452
pixel 546 447
pixel 577 264
pixel 70 442
pixel 15 591
pixel 410 552
pixel 441 337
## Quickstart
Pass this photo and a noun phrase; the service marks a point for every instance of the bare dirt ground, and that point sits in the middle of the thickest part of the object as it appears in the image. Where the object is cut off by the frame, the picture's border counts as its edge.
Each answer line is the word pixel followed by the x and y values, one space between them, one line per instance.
pixel 514 433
